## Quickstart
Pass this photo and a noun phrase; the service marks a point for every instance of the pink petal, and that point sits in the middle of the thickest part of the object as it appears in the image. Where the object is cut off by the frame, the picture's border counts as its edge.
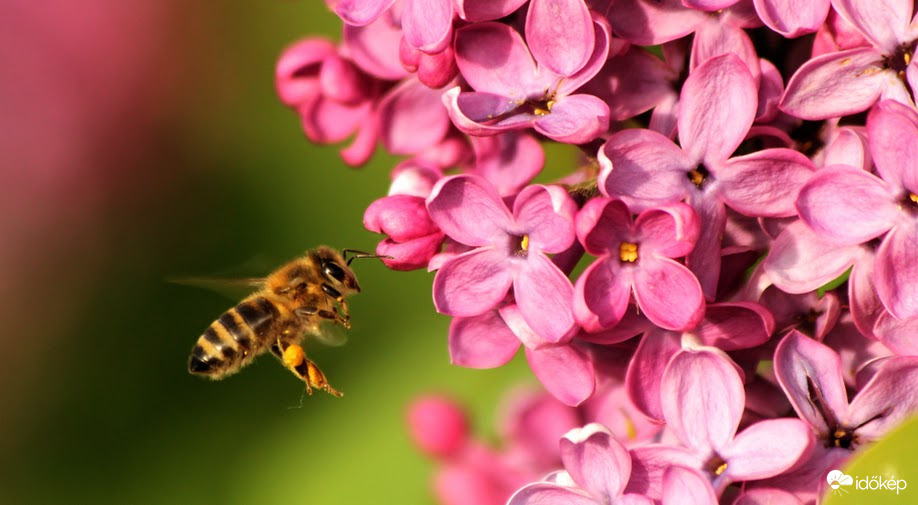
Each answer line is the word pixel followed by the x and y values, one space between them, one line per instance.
pixel 374 48
pixel 474 113
pixel 771 88
pixel 811 375
pixel 325 121
pixel 482 341
pixel 645 168
pixel 508 161
pixel 360 12
pixel 438 426
pixel 887 400
pixel 472 283
pixel 643 377
pixel 686 486
pixel 596 61
pixel 412 118
pixel 596 461
pixel 602 224
pixel 652 23
pixel 545 297
pixel 468 209
pixel 541 493
pixel 865 306
pixel 668 293
pixel 602 294
pixel 849 148
pixel 847 205
pixel 898 334
pixel 632 83
pixel 767 448
pixel 575 119
pixel 402 217
pixel 896 274
pixel 883 22
pixel 792 18
pixel 546 213
pixel 364 143
pixel 486 10
pixel 703 399
pixel 439 69
pixel 892 128
pixel 767 496
pixel 514 319
pixel 649 462
pixel 342 81
pixel 428 24
pixel 716 109
pixel 669 231
pixel 562 47
pixel 493 58
pixel 411 254
pixel 835 84
pixel 801 261
pixel 565 371
pixel 764 183
pixel 303 56
pixel 716 37
pixel 736 325
pixel 704 260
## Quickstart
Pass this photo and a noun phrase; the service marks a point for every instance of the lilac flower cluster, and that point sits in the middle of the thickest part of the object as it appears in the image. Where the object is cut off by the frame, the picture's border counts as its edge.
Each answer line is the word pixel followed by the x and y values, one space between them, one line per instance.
pixel 744 218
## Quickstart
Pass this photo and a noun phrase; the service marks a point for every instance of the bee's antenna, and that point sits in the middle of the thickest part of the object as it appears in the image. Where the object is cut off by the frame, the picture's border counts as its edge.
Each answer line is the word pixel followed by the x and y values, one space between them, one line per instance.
pixel 360 254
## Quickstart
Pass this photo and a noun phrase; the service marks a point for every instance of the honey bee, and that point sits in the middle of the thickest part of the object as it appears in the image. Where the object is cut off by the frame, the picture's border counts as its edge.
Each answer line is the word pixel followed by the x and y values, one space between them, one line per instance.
pixel 294 301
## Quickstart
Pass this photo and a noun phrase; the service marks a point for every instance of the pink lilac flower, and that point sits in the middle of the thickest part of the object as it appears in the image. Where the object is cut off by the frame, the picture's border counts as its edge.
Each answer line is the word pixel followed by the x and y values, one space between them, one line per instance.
pixel 874 206
pixel 792 18
pixel 850 81
pixel 519 86
pixel 636 258
pixel 716 109
pixel 509 250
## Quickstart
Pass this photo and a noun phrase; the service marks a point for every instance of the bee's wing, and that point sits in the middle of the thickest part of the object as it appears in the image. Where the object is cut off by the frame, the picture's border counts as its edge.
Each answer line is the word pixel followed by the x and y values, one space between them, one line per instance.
pixel 329 334
pixel 232 288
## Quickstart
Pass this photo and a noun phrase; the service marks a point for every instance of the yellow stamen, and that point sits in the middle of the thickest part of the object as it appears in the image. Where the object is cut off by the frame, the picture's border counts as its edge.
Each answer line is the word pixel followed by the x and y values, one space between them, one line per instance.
pixel 907 57
pixel 696 177
pixel 913 197
pixel 524 243
pixel 721 469
pixel 630 428
pixel 628 252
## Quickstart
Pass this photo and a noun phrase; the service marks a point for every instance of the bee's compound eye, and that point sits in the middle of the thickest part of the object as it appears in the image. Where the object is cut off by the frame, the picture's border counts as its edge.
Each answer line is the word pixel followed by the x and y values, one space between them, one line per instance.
pixel 333 271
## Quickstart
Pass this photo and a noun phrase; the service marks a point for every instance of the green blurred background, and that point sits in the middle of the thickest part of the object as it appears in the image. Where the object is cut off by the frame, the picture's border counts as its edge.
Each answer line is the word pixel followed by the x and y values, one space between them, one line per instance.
pixel 192 167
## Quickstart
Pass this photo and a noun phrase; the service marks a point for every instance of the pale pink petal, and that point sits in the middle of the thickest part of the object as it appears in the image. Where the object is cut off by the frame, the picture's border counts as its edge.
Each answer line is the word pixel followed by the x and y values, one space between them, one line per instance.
pixel 545 297
pixel 887 400
pixel 596 61
pixel 703 399
pixel 493 58
pixel 771 88
pixel 669 231
pixel 565 371
pixel 412 118
pixel 736 325
pixel 652 23
pixel 704 260
pixel 546 213
pixel 602 294
pixel 575 119
pixel 892 129
pixel 411 254
pixel 896 274
pixel 482 341
pixel 847 205
pixel 486 10
pixel 643 378
pixel 508 161
pixel 883 22
pixel 514 319
pixel 687 486
pixel 663 118
pixel 864 304
pixel 716 109
pixel 303 57
pixel 474 113
pixel 596 461
pixel 402 217
pixel 562 47
pixel 438 425
pixel 801 261
pixel 767 448
pixel 645 168
pixel 849 148
pixel 632 83
pixel 439 69
pixel 360 12
pixel 709 5
pixel 715 37
pixel 374 48
pixel 364 144
pixel 541 493
pixel 602 224
pixel 472 283
pixel 468 484
pixel 326 121
pixel 835 84
pixel 428 24
pixel 668 293
pixel 764 183
pixel 342 81
pixel 468 209
pixel 811 375
pixel 767 496
pixel 649 463
pixel 793 18
pixel 899 335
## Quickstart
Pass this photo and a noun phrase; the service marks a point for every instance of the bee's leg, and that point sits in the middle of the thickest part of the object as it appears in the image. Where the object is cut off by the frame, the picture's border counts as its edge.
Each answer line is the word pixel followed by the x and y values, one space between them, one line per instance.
pixel 325 314
pixel 295 359
pixel 335 295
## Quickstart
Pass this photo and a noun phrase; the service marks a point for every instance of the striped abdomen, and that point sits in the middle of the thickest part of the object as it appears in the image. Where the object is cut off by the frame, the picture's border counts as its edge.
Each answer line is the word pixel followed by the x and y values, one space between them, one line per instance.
pixel 234 339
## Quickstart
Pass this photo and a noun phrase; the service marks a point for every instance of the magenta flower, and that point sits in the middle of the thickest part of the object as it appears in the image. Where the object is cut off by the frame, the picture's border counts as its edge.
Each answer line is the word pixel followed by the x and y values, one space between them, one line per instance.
pixel 716 110
pixel 874 206
pixel 636 257
pixel 850 81
pixel 597 467
pixel 516 88
pixel 509 250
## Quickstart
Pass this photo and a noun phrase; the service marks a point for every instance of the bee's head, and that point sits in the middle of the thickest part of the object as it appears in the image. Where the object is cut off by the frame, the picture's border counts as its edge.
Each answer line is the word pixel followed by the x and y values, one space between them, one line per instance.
pixel 336 271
